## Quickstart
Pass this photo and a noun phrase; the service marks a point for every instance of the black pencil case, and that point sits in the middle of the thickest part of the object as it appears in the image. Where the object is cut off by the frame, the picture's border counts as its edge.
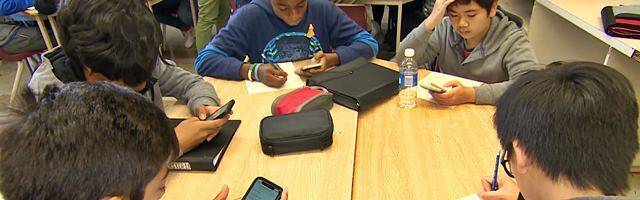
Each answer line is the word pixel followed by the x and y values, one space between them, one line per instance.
pixel 308 130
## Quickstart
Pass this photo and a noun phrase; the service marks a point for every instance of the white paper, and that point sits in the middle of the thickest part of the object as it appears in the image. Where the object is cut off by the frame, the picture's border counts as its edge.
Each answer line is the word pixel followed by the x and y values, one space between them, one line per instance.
pixel 293 81
pixel 470 197
pixel 441 79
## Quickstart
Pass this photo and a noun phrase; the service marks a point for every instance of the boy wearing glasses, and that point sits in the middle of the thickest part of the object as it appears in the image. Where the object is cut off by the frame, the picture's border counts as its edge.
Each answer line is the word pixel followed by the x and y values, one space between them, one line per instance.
pixel 476 41
pixel 569 132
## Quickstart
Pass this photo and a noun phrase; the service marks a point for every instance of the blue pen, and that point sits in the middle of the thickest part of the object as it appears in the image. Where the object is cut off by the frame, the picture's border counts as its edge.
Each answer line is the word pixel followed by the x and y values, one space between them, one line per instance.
pixel 494 184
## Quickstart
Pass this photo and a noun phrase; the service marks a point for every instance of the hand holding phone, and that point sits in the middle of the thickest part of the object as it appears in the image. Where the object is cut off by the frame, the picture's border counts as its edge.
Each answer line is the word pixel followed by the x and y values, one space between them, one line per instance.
pixel 222 111
pixel 263 189
pixel 435 88
pixel 310 64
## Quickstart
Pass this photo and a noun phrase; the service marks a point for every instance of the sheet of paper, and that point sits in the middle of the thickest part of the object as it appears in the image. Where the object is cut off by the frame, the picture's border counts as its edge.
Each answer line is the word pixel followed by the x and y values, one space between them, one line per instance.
pixel 293 81
pixel 441 79
pixel 470 197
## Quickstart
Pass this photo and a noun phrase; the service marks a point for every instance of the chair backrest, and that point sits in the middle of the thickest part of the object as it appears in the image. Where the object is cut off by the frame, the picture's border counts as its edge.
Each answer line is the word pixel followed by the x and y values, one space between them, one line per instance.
pixel 15 57
pixel 357 13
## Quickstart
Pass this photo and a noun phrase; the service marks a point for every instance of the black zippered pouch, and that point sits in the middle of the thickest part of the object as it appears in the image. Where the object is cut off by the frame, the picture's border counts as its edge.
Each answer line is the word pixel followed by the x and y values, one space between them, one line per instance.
pixel 302 131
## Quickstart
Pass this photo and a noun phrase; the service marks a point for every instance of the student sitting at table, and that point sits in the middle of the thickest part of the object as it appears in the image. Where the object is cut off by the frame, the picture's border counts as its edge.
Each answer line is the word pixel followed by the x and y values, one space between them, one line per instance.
pixel 476 41
pixel 114 145
pixel 18 31
pixel 569 132
pixel 283 30
pixel 119 41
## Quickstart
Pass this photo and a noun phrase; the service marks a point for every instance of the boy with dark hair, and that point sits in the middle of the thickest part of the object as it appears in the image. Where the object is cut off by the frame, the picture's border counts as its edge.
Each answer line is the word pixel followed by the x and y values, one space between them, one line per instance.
pixel 114 143
pixel 569 132
pixel 476 41
pixel 119 41
pixel 283 30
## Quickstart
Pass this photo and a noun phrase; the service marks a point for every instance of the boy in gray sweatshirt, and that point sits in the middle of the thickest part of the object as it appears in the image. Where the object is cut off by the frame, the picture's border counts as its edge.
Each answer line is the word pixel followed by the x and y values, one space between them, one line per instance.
pixel 476 41
pixel 119 41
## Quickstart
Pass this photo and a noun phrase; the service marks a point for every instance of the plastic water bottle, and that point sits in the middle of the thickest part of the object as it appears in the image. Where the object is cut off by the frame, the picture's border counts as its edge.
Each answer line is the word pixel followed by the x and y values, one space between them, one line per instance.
pixel 408 80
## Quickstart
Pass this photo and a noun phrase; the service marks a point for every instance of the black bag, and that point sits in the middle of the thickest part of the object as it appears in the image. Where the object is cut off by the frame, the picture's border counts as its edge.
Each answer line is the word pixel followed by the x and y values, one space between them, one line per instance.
pixel 358 84
pixel 295 132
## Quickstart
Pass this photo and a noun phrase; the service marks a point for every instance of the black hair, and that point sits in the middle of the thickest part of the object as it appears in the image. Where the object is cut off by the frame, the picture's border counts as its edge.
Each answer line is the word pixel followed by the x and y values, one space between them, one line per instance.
pixel 486 4
pixel 85 141
pixel 119 39
pixel 575 120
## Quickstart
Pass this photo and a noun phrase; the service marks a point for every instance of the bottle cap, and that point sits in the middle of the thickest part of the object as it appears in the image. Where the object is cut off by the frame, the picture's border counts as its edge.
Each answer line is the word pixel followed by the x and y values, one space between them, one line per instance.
pixel 408 52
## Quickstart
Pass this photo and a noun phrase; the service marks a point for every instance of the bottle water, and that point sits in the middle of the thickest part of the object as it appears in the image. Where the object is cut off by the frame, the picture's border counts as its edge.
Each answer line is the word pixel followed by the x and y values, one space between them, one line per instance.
pixel 408 80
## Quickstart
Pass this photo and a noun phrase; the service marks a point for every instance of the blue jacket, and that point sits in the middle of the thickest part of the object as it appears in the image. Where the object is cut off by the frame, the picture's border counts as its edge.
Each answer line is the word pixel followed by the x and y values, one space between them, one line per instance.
pixel 255 29
pixel 9 7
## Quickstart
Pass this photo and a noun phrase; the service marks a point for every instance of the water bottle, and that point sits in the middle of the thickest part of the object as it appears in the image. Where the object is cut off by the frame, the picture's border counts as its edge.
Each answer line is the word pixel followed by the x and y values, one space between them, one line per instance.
pixel 408 80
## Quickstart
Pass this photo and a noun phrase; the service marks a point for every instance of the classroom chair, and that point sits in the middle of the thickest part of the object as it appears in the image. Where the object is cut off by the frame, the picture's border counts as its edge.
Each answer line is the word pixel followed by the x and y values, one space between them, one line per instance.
pixel 357 13
pixel 22 59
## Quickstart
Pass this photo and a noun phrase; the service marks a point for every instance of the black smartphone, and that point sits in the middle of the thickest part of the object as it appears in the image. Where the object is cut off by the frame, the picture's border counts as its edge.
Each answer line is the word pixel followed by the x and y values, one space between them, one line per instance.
pixel 263 189
pixel 222 111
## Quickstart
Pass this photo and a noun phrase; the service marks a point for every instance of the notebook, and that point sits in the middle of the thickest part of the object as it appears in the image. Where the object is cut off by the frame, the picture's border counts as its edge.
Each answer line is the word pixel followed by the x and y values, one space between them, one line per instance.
pixel 208 155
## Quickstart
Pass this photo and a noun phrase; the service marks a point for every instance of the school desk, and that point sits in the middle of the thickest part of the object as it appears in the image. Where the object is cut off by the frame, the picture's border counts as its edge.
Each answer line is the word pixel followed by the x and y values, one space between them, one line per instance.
pixel 573 30
pixel 429 152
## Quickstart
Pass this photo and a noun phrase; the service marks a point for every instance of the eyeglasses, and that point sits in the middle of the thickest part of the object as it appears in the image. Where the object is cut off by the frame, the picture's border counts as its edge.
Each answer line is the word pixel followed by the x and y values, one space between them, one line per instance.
pixel 504 160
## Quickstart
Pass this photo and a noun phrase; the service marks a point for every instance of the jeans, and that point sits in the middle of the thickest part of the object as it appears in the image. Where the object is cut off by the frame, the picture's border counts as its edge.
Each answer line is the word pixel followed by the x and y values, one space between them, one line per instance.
pixel 176 13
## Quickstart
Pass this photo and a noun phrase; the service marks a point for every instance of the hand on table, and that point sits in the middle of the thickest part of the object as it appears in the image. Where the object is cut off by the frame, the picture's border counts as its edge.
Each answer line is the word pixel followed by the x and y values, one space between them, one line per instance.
pixel 458 94
pixel 327 60
pixel 271 76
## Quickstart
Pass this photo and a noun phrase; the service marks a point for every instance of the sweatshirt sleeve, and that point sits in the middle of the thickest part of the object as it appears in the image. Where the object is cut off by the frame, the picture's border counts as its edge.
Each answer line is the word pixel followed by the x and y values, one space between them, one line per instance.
pixel 9 7
pixel 185 86
pixel 519 60
pixel 349 40
pixel 221 58
pixel 425 44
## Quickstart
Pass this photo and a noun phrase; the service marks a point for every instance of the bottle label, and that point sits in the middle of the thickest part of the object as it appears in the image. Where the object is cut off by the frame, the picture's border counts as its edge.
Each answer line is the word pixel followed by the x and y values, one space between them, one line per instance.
pixel 409 80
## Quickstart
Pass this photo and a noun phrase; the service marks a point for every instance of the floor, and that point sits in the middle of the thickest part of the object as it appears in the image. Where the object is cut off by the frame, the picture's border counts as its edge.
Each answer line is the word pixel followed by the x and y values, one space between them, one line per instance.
pixel 184 58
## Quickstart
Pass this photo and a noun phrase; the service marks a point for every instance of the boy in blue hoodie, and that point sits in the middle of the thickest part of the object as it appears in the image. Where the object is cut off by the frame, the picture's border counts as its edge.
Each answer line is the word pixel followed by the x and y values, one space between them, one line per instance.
pixel 283 30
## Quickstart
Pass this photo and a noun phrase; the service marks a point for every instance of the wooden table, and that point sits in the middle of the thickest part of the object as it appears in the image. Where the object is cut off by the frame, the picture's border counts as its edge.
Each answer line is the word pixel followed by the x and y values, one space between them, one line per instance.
pixel 429 152
pixel 310 175
pixel 398 3
pixel 43 30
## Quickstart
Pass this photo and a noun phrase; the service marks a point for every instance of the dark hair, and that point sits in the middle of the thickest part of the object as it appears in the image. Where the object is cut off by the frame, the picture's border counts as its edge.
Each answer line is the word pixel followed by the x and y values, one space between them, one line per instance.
pixel 85 141
pixel 486 4
pixel 119 39
pixel 576 120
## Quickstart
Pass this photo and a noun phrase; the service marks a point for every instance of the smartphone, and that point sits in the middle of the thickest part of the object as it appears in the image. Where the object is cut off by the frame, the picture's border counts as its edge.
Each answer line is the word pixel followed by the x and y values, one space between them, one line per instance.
pixel 263 189
pixel 433 87
pixel 222 111
pixel 309 64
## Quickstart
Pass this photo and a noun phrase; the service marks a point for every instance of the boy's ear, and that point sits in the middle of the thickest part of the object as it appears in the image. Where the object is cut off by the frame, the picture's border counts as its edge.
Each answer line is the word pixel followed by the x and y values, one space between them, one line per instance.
pixel 523 163
pixel 494 8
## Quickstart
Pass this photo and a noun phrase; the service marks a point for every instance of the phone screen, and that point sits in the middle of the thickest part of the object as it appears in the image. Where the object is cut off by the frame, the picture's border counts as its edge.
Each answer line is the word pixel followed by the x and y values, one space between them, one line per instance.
pixel 261 190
